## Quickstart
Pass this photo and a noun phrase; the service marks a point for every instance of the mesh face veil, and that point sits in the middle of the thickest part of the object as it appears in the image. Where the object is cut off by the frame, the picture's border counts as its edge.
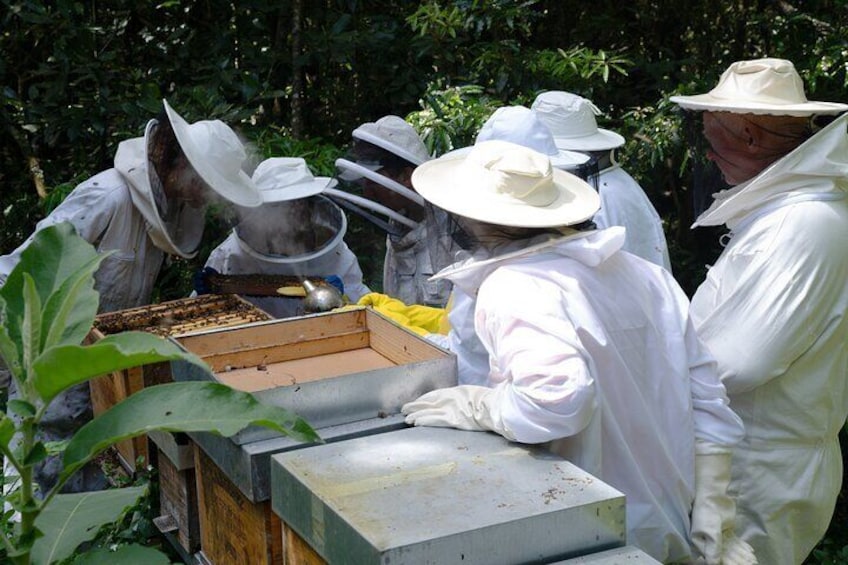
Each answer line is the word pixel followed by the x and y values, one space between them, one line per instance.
pixel 367 164
pixel 311 227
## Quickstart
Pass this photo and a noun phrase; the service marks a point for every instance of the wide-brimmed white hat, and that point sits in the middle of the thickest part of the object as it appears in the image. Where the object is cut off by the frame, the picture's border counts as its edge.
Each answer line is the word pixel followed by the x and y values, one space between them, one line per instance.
pixel 288 178
pixel 395 135
pixel 571 119
pixel 759 86
pixel 502 183
pixel 217 155
pixel 520 125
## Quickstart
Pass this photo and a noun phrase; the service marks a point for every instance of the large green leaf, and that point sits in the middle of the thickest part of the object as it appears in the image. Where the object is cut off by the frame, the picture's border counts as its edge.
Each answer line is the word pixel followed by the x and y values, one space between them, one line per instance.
pixel 180 407
pixel 61 367
pixel 124 555
pixel 71 519
pixel 61 265
pixel 9 350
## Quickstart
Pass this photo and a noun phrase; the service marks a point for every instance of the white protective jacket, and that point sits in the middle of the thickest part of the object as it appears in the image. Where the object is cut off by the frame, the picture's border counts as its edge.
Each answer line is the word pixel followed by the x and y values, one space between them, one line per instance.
pixel 773 310
pixel 594 348
pixel 407 270
pixel 624 203
pixel 234 256
pixel 114 211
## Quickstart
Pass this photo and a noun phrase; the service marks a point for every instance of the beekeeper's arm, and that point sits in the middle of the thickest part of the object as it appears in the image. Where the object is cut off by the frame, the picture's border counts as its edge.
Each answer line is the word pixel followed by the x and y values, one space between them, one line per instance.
pixel 541 390
pixel 89 207
pixel 717 429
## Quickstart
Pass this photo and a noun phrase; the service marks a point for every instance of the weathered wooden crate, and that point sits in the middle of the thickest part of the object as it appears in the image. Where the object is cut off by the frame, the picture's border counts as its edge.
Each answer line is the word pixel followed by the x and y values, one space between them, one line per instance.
pixel 178 509
pixel 234 530
pixel 332 368
pixel 171 318
pixel 347 373
pixel 243 472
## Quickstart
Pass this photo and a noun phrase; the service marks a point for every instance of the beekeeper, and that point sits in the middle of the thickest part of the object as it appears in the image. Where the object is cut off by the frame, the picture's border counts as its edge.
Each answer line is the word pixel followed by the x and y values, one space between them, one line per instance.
pixel 381 161
pixel 589 348
pixel 297 231
pixel 572 122
pixel 149 205
pixel 522 126
pixel 773 307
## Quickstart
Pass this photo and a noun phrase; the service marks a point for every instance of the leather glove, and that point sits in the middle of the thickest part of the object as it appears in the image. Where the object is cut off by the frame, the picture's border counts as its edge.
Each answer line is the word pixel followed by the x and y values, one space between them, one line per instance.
pixel 714 513
pixel 199 280
pixel 465 407
pixel 420 319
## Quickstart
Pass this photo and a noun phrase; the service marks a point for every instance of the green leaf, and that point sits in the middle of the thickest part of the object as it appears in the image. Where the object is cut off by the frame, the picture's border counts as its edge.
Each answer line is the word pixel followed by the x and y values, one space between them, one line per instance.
pixel 8 347
pixel 21 407
pixel 70 311
pixel 36 454
pixel 64 366
pixel 71 519
pixel 125 555
pixel 180 407
pixel 31 325
pixel 7 429
pixel 56 256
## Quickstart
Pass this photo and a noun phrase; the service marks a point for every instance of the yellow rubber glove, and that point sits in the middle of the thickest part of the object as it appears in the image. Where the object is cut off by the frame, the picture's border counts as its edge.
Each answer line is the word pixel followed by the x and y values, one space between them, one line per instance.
pixel 420 319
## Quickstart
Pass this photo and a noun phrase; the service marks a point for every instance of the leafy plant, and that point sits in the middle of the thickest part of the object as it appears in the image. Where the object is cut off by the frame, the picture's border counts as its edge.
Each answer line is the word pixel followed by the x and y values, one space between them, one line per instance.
pixel 47 307
pixel 451 116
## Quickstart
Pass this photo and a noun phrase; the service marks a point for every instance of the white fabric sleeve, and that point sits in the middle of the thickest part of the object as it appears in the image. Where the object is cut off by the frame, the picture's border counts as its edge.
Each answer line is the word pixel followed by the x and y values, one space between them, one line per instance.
pixel 548 392
pixel 88 207
pixel 714 421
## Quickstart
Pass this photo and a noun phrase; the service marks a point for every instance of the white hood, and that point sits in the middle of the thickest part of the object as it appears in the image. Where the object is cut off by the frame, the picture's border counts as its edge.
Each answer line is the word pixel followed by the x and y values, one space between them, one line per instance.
pixel 180 237
pixel 818 168
pixel 590 248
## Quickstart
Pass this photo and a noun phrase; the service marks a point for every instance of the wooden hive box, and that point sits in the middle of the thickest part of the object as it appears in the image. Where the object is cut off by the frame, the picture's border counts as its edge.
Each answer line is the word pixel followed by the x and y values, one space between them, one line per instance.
pixel 332 368
pixel 173 457
pixel 347 373
pixel 171 318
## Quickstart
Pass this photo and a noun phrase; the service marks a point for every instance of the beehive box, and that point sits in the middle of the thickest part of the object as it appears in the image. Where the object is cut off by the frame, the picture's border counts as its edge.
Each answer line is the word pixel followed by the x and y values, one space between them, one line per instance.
pixel 233 484
pixel 332 368
pixel 171 318
pixel 178 521
pixel 437 495
pixel 347 373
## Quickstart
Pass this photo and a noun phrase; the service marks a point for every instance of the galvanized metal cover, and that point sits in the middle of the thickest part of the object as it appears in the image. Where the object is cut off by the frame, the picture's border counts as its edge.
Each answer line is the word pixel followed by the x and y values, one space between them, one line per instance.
pixel 434 495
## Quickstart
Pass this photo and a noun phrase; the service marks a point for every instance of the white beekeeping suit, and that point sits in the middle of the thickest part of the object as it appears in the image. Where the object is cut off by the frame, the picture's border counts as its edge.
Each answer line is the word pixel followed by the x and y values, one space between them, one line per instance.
pixel 297 232
pixel 125 210
pixel 384 154
pixel 519 125
pixel 589 348
pixel 773 312
pixel 571 120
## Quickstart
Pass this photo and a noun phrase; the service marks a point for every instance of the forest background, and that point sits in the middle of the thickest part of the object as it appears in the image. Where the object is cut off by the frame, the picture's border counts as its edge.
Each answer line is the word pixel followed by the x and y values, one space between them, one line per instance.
pixel 295 77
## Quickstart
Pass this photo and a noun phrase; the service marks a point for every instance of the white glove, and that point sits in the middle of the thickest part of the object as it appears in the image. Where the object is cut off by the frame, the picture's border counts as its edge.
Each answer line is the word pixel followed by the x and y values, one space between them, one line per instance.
pixel 714 513
pixel 465 407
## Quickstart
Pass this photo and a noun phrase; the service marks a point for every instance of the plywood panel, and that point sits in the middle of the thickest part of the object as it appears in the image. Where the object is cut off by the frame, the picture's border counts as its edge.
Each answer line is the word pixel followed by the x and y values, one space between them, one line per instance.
pixel 298 371
pixel 234 530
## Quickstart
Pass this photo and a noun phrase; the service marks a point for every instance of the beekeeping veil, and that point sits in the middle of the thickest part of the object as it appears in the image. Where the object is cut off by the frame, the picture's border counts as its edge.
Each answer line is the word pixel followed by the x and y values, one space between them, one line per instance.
pixel 379 148
pixel 295 223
